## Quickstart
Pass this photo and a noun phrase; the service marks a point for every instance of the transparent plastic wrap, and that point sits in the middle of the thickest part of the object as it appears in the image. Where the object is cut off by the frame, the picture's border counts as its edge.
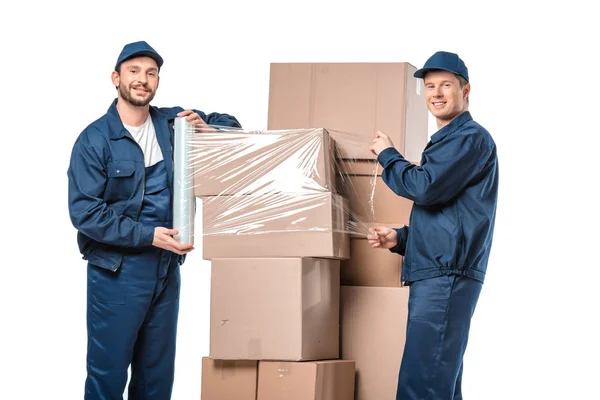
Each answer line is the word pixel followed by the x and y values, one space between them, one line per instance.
pixel 183 190
pixel 265 186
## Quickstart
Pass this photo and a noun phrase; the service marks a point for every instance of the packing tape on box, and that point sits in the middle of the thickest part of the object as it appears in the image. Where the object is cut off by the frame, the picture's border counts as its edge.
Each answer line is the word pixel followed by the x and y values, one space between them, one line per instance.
pixel 227 368
pixel 255 348
pixel 311 285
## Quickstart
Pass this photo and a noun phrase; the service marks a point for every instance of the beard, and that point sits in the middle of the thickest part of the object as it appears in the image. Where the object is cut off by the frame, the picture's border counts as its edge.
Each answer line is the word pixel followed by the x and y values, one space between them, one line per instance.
pixel 126 94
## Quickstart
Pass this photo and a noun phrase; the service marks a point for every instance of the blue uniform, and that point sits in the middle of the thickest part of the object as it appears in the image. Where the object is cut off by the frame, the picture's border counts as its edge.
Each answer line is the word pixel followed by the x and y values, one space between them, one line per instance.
pixel 115 202
pixel 446 248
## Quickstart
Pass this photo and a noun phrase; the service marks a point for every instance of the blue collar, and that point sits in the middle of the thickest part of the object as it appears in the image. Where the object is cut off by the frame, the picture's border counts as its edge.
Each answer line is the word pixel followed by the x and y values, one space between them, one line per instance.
pixel 116 130
pixel 451 127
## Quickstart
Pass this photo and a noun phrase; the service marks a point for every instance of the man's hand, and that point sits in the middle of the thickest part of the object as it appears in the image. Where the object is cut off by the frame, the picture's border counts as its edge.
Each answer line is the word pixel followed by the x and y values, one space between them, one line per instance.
pixel 380 143
pixel 194 119
pixel 163 238
pixel 382 237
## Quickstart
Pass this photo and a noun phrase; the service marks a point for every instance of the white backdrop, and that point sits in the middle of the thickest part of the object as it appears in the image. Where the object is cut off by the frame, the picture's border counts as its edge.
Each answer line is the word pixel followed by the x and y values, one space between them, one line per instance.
pixel 534 87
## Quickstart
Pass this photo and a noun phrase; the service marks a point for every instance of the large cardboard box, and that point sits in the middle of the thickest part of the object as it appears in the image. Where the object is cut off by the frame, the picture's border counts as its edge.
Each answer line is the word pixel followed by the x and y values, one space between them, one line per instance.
pixel 275 309
pixel 229 379
pixel 237 162
pixel 352 100
pixel 373 333
pixel 318 380
pixel 276 225
pixel 370 199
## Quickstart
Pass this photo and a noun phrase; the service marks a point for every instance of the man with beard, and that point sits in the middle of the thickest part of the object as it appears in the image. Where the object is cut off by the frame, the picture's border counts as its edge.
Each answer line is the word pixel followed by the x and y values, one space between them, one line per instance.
pixel 120 201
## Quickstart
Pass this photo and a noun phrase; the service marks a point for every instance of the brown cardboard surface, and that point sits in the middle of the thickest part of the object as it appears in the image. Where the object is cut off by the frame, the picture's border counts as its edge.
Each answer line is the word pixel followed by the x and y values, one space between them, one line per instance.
pixel 275 225
pixel 274 309
pixel 362 167
pixel 373 332
pixel 371 267
pixel 386 205
pixel 379 205
pixel 352 100
pixel 320 380
pixel 229 379
pixel 234 162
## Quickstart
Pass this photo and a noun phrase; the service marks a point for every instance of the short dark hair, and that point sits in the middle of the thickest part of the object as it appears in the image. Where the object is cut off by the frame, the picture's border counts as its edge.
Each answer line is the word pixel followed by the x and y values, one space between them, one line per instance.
pixel 463 82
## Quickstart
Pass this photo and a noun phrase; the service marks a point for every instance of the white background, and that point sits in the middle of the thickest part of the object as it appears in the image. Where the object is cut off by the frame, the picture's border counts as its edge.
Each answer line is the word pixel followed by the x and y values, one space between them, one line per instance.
pixel 535 87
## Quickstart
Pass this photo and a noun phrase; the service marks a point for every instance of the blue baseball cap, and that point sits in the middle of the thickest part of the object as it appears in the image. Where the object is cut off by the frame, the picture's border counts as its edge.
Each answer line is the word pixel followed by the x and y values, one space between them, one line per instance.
pixel 139 49
pixel 444 61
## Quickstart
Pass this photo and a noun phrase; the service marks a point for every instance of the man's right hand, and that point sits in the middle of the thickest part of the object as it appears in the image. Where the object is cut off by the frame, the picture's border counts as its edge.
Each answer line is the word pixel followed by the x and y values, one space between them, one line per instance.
pixel 382 237
pixel 163 238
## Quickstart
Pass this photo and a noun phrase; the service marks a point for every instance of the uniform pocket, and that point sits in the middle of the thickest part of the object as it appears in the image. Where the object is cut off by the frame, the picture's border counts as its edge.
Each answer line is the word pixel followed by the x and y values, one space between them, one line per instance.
pixel 446 223
pixel 437 240
pixel 121 180
pixel 106 286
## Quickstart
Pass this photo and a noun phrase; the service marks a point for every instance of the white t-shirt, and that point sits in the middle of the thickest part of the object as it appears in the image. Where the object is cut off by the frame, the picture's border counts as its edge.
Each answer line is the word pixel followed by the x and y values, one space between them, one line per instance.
pixel 145 136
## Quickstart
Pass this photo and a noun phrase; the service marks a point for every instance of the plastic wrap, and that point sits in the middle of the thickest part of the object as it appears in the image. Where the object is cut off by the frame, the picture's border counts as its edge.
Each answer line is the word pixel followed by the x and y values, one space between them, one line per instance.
pixel 183 182
pixel 269 182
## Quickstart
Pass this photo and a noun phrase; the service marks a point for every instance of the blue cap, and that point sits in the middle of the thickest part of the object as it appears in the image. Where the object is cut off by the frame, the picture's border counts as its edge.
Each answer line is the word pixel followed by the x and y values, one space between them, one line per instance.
pixel 444 61
pixel 139 49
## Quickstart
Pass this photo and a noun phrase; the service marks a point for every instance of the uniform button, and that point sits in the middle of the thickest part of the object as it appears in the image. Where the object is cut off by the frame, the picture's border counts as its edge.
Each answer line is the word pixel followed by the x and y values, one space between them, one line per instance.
pixel 118 171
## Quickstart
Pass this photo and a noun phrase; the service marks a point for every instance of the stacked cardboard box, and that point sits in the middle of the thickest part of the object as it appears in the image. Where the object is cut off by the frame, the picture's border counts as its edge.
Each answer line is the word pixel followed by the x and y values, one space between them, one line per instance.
pixel 353 101
pixel 273 227
pixel 301 307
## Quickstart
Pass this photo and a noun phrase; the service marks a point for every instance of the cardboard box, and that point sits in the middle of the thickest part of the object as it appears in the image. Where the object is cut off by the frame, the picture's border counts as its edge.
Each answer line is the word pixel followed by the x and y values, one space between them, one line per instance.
pixel 229 379
pixel 274 309
pixel 352 100
pixel 373 333
pixel 319 380
pixel 276 225
pixel 235 162
pixel 371 267
pixel 380 205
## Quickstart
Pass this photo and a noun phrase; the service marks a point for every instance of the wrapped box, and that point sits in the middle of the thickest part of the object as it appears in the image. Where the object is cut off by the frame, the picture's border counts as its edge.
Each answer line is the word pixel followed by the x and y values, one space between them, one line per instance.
pixel 317 380
pixel 276 225
pixel 373 333
pixel 229 379
pixel 274 309
pixel 239 162
pixel 352 100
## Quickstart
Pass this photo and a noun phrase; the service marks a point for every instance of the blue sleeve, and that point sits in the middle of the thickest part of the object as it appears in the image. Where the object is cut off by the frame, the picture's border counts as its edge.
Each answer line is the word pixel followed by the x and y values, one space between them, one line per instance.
pixel 449 166
pixel 219 119
pixel 400 248
pixel 87 209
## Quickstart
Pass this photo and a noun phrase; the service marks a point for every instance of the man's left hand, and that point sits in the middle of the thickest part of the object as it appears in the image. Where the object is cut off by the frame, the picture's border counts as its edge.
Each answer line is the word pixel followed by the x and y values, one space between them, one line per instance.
pixel 380 143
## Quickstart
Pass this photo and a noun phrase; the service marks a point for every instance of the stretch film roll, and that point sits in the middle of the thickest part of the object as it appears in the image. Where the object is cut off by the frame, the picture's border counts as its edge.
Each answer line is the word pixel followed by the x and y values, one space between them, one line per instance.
pixel 183 185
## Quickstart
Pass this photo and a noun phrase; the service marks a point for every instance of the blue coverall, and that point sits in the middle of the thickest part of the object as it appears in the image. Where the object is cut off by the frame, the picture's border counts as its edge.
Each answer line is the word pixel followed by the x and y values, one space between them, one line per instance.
pixel 446 247
pixel 115 202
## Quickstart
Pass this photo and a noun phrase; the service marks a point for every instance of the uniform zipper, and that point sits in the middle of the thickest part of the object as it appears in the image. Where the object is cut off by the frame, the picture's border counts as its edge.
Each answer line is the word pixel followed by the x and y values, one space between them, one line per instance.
pixel 143 180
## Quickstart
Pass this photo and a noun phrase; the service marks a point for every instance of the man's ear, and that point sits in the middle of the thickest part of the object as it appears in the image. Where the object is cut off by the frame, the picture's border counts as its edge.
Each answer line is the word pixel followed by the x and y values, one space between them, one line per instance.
pixel 466 91
pixel 115 78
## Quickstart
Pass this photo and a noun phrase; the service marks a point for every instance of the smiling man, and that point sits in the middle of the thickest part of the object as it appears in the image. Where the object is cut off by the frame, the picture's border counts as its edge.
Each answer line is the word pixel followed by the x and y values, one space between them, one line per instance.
pixel 447 243
pixel 120 202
